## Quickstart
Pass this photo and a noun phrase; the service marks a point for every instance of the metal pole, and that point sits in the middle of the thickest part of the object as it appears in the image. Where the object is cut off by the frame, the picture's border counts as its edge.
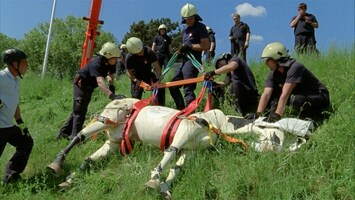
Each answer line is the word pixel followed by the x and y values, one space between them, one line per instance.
pixel 48 40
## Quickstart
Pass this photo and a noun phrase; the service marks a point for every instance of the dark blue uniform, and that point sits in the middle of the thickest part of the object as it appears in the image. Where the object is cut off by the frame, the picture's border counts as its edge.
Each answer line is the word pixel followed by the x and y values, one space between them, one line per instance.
pixel 239 33
pixel 243 87
pixel 84 85
pixel 142 69
pixel 210 54
pixel 309 97
pixel 162 42
pixel 304 34
pixel 191 35
pixel 120 65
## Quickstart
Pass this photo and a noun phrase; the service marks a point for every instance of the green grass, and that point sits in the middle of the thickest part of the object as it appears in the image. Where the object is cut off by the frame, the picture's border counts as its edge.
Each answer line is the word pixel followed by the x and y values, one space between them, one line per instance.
pixel 322 169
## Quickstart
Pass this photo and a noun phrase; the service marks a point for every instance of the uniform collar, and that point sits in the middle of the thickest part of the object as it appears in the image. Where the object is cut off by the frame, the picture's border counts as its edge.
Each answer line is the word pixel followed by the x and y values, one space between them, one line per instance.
pixel 288 63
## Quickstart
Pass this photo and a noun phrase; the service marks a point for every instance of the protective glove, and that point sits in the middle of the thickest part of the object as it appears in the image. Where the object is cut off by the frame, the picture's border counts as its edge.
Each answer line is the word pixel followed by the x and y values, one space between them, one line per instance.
pixel 253 115
pixel 23 127
pixel 1 103
pixel 114 96
pixel 137 84
pixel 273 117
pixel 112 88
pixel 209 75
pixel 246 44
pixel 185 48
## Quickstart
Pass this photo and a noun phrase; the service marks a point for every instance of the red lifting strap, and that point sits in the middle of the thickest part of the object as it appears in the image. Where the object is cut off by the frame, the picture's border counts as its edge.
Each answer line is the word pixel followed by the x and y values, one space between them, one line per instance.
pixel 126 146
pixel 173 124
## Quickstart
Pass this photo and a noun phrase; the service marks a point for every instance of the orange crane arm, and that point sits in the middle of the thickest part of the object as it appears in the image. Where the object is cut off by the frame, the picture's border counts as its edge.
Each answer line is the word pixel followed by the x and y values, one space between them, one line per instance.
pixel 91 32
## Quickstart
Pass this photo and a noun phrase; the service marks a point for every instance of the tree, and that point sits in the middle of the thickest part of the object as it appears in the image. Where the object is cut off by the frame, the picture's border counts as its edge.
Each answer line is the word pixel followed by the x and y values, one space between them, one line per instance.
pixel 66 45
pixel 7 43
pixel 147 31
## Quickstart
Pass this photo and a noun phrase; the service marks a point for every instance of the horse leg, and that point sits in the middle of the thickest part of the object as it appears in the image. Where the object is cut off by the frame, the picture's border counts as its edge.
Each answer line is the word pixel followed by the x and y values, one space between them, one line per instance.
pixel 104 152
pixel 56 166
pixel 184 132
pixel 174 172
pixel 154 182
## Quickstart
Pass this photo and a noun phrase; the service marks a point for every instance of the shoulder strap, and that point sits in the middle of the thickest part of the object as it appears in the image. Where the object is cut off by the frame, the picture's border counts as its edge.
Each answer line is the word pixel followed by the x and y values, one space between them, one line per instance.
pixel 126 146
pixel 171 127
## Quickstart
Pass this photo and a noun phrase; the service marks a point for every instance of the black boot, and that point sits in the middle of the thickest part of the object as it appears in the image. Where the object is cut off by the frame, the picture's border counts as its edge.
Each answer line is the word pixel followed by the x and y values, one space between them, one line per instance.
pixel 12 178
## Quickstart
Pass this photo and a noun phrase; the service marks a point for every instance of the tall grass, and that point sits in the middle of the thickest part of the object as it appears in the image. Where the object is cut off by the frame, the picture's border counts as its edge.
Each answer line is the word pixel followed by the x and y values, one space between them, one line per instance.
pixel 322 169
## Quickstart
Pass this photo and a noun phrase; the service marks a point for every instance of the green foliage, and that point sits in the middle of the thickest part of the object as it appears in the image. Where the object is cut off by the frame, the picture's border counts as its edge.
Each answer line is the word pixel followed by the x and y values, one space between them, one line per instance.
pixel 321 169
pixel 66 46
pixel 147 31
pixel 65 50
pixel 7 43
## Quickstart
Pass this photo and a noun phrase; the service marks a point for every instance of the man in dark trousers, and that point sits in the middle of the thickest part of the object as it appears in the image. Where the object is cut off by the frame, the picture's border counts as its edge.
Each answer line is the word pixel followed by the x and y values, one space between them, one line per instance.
pixel 16 135
pixel 290 83
pixel 120 65
pixel 239 37
pixel 304 24
pixel 162 45
pixel 244 94
pixel 139 63
pixel 210 53
pixel 87 79
pixel 195 41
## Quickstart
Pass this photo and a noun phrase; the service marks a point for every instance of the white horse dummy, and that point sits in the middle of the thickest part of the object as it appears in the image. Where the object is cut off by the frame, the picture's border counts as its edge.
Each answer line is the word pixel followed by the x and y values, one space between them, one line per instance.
pixel 148 128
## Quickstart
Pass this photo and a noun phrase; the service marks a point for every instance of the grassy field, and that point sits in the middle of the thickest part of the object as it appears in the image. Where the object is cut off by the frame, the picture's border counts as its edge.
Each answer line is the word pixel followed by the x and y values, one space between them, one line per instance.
pixel 321 169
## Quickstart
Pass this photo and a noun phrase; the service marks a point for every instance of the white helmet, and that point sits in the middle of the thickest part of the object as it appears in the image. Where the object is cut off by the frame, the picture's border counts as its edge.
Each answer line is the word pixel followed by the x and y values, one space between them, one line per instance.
pixel 123 46
pixel 162 26
pixel 275 50
pixel 110 50
pixel 134 45
pixel 188 10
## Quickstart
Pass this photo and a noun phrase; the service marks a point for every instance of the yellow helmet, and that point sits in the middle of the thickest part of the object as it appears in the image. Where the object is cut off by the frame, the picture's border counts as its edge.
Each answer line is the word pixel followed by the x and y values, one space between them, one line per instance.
pixel 188 10
pixel 162 26
pixel 275 50
pixel 123 46
pixel 110 50
pixel 134 45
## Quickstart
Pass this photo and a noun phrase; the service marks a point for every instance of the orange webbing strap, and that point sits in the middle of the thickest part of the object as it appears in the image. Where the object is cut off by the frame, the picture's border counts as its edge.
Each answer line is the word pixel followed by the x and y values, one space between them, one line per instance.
pixel 126 146
pixel 94 136
pixel 171 127
pixel 171 84
pixel 104 120
pixel 230 139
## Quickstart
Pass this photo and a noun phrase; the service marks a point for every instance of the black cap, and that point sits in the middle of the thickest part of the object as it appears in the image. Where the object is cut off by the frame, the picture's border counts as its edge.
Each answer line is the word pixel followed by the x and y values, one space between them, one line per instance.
pixel 12 55
pixel 223 56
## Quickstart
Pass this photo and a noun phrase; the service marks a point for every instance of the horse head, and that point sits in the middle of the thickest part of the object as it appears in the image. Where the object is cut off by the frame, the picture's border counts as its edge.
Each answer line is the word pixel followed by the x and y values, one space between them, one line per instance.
pixel 118 110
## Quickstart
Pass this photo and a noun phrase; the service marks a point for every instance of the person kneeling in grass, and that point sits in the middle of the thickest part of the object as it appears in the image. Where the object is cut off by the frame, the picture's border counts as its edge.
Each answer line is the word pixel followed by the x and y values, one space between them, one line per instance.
pixel 290 83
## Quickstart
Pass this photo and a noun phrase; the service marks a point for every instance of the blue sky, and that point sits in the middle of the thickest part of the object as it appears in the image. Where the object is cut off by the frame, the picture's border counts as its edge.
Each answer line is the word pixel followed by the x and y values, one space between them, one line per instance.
pixel 268 19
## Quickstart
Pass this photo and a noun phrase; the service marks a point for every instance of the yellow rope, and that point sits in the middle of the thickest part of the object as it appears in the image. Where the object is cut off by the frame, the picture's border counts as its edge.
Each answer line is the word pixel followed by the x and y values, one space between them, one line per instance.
pixel 210 130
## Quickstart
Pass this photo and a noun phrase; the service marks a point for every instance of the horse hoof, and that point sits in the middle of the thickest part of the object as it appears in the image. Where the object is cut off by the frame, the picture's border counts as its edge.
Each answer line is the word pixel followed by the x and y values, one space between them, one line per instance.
pixel 165 195
pixel 55 169
pixel 152 185
pixel 64 185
